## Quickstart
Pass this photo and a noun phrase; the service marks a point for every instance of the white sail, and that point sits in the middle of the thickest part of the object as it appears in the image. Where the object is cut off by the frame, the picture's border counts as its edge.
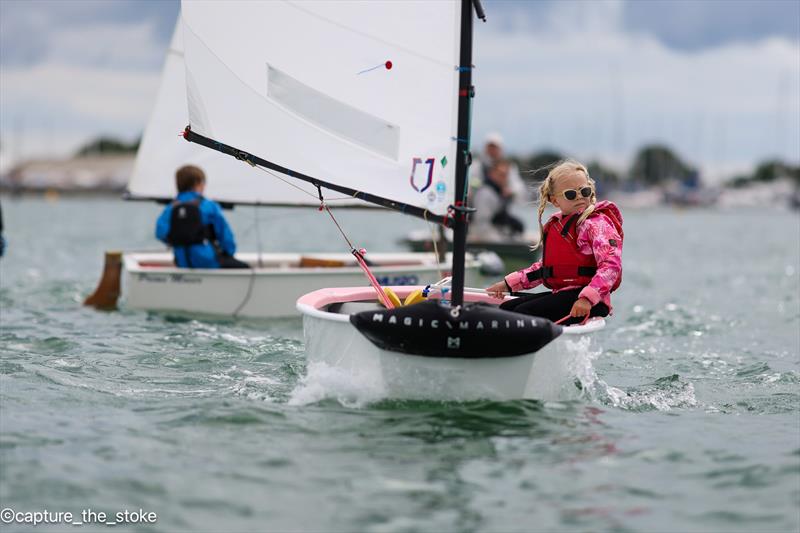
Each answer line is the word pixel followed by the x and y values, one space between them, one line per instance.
pixel 363 95
pixel 163 151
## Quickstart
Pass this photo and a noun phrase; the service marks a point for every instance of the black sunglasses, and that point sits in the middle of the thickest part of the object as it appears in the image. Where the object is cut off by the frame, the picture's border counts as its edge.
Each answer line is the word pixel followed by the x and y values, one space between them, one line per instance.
pixel 571 194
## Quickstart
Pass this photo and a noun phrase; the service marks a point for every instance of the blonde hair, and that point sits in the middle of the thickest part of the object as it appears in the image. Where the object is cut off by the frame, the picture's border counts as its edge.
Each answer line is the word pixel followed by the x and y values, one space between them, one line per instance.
pixel 559 170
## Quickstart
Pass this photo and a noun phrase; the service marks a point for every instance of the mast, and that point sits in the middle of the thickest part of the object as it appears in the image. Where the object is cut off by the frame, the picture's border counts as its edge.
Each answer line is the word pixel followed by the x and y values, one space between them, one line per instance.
pixel 465 94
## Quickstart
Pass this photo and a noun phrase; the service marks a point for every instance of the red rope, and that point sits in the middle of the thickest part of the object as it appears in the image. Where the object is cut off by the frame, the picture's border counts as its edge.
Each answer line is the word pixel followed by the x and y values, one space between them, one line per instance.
pixel 377 286
pixel 359 255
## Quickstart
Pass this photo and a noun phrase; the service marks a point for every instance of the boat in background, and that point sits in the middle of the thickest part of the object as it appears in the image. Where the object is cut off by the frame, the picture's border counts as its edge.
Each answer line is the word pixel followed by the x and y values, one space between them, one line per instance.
pixel 272 285
pixel 514 252
pixel 270 288
pixel 371 100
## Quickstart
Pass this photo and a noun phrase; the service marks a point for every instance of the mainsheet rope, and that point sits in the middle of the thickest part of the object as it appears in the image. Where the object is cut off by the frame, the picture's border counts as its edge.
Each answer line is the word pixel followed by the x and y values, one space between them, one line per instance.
pixel 359 255
pixel 435 246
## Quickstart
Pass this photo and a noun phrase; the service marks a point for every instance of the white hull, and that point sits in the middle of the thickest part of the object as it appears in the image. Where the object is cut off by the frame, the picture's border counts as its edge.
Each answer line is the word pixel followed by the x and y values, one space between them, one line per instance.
pixel 331 339
pixel 268 291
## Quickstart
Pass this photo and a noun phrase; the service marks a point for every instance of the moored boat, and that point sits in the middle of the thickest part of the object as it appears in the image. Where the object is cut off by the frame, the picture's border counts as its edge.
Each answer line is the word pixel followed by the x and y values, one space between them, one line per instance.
pixel 515 252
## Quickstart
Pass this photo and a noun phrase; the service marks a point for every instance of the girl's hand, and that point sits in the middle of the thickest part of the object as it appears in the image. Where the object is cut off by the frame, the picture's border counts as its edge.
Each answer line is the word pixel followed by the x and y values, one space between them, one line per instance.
pixel 497 290
pixel 581 308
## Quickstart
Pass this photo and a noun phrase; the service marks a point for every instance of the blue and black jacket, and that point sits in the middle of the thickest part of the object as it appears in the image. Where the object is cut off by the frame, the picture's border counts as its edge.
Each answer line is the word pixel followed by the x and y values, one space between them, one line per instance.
pixel 219 235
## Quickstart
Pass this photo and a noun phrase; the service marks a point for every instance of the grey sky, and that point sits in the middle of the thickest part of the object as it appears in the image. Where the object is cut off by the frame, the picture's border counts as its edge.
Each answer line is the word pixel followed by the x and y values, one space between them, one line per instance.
pixel 691 25
pixel 27 27
pixel 70 70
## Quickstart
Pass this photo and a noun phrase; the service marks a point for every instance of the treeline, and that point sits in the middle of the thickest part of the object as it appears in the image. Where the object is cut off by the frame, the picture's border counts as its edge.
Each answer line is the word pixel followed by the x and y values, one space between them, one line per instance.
pixel 108 146
pixel 768 171
pixel 654 165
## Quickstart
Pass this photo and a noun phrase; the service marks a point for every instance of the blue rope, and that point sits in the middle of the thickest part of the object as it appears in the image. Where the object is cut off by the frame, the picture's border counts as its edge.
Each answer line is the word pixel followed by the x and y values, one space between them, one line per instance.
pixel 369 69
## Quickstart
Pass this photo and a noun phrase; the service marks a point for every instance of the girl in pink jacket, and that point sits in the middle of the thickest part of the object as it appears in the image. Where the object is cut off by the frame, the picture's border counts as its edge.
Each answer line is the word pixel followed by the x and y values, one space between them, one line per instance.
pixel 582 255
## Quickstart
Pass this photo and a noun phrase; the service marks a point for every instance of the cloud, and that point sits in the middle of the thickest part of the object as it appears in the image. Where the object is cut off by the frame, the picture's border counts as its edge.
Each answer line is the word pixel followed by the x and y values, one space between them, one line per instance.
pixel 31 32
pixel 703 24
pixel 52 109
pixel 585 85
pixel 80 94
pixel 70 70
pixel 691 25
pixel 589 78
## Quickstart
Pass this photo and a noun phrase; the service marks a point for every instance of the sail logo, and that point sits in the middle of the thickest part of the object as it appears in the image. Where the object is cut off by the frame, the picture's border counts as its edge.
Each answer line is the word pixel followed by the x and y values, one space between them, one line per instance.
pixel 421 183
pixel 454 343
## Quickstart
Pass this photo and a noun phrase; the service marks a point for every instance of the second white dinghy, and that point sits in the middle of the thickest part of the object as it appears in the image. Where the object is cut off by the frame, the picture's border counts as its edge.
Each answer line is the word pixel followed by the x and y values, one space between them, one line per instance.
pixel 270 288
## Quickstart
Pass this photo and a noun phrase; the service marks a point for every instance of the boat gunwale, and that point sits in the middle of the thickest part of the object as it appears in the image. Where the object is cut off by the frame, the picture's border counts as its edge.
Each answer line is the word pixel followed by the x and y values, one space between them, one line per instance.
pixel 313 304
pixel 133 265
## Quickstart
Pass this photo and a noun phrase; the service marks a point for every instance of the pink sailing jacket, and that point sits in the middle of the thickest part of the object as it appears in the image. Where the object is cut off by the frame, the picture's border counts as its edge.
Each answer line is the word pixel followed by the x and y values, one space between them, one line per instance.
pixel 596 236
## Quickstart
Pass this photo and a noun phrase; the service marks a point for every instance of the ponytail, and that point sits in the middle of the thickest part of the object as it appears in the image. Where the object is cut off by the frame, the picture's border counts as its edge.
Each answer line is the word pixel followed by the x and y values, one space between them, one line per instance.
pixel 545 189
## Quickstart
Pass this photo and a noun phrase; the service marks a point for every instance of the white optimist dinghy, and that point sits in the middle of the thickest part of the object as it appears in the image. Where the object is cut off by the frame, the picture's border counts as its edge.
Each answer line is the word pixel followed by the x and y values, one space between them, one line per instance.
pixel 429 350
pixel 271 287
pixel 372 100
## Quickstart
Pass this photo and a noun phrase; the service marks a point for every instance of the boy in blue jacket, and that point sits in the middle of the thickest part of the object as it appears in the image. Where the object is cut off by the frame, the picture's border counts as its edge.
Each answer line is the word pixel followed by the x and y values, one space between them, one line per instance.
pixel 194 226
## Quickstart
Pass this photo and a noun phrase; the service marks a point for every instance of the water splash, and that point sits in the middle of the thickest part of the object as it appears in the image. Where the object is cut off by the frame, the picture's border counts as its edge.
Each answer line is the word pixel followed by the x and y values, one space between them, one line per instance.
pixel 664 394
pixel 350 388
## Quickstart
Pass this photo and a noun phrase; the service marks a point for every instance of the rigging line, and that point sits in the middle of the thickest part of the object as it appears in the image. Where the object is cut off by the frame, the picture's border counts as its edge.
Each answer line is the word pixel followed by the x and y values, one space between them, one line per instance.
pixel 359 255
pixel 370 37
pixel 435 247
pixel 276 176
pixel 350 244
pixel 249 292
pixel 258 237
pixel 289 183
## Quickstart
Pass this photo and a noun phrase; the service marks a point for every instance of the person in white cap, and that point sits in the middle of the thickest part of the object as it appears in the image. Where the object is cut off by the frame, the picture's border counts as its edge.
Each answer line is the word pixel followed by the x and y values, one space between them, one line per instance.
pixel 492 220
pixel 495 184
pixel 493 153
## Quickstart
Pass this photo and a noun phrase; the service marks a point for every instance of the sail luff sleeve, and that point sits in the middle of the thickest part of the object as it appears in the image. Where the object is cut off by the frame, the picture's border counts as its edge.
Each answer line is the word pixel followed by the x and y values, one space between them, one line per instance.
pixel 191 136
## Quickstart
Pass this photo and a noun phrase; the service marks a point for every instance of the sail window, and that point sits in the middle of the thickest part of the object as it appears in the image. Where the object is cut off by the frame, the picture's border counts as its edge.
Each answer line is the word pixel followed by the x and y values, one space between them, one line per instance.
pixel 332 115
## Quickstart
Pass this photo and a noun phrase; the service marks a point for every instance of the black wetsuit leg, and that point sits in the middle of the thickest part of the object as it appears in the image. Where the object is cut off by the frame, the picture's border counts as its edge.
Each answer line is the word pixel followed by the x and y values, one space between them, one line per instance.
pixel 553 306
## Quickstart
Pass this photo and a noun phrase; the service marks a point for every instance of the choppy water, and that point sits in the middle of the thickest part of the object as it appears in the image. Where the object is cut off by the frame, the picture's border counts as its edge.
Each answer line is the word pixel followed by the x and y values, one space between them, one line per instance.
pixel 688 417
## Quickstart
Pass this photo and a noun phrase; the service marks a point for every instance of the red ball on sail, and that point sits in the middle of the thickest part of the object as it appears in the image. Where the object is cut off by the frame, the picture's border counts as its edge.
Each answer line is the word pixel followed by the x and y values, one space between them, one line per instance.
pixel 388 65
